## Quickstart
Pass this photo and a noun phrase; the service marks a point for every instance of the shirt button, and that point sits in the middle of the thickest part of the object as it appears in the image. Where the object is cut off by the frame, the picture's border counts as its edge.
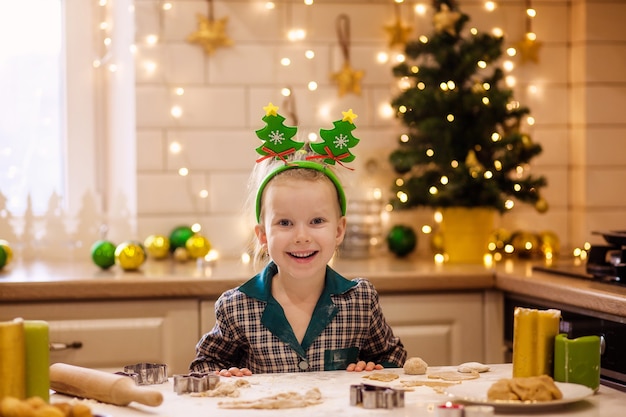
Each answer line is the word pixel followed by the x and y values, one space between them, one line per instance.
pixel 304 365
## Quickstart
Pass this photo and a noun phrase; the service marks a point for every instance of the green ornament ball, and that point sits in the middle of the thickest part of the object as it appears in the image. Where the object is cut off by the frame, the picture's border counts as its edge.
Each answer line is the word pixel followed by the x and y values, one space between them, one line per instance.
pixel 3 257
pixel 103 254
pixel 401 240
pixel 179 237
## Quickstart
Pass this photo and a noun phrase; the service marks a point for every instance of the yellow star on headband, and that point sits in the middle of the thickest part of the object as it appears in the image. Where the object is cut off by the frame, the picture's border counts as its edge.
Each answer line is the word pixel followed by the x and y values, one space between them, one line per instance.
pixel 270 110
pixel 348 116
pixel 210 34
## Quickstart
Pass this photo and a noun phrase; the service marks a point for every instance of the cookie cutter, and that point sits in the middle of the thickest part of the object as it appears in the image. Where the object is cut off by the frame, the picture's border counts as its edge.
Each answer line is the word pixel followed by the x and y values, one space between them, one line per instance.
pixel 195 382
pixel 146 373
pixel 374 396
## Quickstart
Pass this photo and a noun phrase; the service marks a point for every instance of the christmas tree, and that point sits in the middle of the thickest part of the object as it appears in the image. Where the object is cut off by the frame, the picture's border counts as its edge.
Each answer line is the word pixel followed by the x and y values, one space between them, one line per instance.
pixel 463 145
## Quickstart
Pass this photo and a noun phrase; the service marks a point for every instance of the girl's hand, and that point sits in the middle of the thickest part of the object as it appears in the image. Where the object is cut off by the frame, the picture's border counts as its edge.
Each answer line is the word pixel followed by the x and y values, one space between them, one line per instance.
pixel 362 366
pixel 234 371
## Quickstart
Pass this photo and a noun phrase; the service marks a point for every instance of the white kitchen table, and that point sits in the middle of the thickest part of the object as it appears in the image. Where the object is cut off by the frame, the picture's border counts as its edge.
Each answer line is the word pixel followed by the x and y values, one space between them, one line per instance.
pixel 335 389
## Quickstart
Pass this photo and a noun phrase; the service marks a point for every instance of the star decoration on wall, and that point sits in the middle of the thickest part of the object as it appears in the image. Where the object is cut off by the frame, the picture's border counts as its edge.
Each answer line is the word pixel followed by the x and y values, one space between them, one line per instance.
pixel 445 20
pixel 348 80
pixel 398 32
pixel 528 50
pixel 210 34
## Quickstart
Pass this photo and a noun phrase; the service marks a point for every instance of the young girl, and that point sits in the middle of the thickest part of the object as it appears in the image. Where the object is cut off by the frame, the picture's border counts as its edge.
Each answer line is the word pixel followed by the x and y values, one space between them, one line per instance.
pixel 298 314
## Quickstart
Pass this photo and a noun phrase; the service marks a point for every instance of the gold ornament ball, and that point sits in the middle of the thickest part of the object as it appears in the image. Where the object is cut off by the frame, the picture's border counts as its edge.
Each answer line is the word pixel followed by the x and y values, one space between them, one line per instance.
pixel 541 205
pixel 129 255
pixel 7 250
pixel 499 239
pixel 198 246
pixel 525 244
pixel 550 243
pixel 436 242
pixel 157 246
pixel 181 255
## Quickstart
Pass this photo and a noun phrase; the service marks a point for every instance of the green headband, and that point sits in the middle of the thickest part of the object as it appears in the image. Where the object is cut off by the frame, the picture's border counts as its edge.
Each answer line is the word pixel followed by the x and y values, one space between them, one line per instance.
pixel 305 165
pixel 278 144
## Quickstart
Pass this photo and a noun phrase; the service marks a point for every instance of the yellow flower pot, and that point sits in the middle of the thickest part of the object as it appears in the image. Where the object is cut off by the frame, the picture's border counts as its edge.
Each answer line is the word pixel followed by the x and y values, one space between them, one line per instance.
pixel 465 233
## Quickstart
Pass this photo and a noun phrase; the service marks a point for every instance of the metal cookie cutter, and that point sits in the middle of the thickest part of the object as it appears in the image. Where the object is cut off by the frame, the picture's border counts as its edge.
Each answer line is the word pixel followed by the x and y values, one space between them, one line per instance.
pixel 195 382
pixel 374 396
pixel 146 373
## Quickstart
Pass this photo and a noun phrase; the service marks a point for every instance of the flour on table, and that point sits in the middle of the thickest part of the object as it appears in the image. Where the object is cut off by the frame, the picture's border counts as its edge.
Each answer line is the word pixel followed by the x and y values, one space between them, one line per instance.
pixel 224 389
pixel 437 386
pixel 382 376
pixel 280 401
pixel 454 376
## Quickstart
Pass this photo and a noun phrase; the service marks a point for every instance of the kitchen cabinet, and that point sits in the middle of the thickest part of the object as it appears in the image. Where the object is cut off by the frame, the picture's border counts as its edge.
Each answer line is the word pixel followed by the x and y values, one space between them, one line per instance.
pixel 441 328
pixel 112 334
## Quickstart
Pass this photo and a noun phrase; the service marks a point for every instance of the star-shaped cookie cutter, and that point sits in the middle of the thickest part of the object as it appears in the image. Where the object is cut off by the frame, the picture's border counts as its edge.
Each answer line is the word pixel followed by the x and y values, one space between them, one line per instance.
pixel 195 382
pixel 146 373
pixel 374 396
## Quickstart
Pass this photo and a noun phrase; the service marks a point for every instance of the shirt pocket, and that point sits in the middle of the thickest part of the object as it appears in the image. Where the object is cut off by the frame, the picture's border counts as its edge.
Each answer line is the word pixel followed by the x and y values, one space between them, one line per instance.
pixel 339 359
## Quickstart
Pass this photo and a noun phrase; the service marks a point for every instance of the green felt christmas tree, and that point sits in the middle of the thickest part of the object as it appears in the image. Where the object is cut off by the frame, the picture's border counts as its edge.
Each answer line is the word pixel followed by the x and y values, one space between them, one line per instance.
pixel 337 141
pixel 277 137
pixel 462 145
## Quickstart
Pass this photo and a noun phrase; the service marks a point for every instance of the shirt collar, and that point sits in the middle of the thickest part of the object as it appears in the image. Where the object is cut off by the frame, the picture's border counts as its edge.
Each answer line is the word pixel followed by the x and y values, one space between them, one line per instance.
pixel 260 286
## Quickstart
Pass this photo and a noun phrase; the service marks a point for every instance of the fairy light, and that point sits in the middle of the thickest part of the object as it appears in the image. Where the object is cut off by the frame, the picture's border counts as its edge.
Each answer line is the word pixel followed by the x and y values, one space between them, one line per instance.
pixel 183 172
pixel 420 9
pixel 176 112
pixel 175 147
pixel 285 62
pixel 490 6
pixel 179 91
pixel 309 54
pixel 312 86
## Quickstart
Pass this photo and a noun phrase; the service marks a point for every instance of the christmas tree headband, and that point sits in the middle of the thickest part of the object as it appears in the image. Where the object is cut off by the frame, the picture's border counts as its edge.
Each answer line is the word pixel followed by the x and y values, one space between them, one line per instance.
pixel 279 145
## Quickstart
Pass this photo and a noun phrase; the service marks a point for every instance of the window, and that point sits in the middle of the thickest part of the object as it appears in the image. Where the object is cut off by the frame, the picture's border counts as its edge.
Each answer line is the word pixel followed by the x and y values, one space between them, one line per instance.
pixel 31 103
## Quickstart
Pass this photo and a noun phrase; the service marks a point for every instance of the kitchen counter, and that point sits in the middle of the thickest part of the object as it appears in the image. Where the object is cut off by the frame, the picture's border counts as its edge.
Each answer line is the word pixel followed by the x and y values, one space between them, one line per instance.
pixel 335 390
pixel 40 281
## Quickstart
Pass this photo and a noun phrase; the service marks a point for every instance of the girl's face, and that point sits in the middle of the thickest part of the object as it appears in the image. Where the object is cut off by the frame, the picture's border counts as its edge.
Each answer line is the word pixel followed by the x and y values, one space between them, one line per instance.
pixel 301 226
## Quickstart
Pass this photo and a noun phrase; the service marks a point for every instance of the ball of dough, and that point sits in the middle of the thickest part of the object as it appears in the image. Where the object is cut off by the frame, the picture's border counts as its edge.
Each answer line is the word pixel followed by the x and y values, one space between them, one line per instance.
pixel 415 366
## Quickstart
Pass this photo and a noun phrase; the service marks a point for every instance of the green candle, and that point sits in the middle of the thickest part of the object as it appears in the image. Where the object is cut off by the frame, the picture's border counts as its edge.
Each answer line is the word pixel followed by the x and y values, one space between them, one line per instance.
pixel 577 360
pixel 37 340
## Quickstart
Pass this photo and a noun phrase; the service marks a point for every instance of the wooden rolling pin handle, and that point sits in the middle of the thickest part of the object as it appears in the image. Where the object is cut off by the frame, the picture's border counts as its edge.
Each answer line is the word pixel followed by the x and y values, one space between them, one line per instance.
pixel 99 385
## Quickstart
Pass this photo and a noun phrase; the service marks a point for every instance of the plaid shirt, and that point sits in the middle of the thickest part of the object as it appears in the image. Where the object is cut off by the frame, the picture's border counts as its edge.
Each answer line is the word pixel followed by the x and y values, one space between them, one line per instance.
pixel 251 330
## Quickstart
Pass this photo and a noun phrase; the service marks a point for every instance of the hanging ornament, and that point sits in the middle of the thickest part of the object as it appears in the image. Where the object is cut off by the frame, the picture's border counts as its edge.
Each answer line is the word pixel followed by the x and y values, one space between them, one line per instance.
pixel 445 20
pixel 529 46
pixel 474 166
pixel 157 246
pixel 401 240
pixel 348 79
pixel 211 32
pixel 542 205
pixel 130 255
pixel 525 244
pixel 398 31
pixel 103 254
pixel 198 246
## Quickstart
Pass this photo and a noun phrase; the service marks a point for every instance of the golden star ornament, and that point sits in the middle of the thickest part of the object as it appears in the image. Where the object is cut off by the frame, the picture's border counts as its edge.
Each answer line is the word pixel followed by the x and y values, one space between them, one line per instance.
pixel 445 20
pixel 528 50
pixel 398 32
pixel 210 34
pixel 348 80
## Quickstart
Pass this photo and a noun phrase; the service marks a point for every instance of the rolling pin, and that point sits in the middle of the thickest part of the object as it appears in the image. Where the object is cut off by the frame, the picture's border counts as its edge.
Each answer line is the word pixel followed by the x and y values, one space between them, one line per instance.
pixel 101 386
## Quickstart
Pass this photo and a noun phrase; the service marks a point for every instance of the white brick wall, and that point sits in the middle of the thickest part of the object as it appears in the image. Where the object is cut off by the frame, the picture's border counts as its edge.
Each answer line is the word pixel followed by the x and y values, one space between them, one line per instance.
pixel 578 107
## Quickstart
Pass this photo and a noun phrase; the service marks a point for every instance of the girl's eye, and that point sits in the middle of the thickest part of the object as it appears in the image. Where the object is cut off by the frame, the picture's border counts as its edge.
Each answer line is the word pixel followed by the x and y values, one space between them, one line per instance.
pixel 284 222
pixel 318 220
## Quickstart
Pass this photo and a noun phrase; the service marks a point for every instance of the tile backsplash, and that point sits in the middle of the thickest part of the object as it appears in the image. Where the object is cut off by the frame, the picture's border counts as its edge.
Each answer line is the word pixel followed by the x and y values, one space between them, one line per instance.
pixel 576 93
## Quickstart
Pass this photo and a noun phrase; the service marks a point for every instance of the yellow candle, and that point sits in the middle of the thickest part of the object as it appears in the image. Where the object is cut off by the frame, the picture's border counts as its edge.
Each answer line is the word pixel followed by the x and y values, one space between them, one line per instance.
pixel 533 341
pixel 37 359
pixel 12 359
